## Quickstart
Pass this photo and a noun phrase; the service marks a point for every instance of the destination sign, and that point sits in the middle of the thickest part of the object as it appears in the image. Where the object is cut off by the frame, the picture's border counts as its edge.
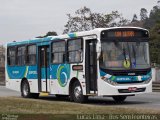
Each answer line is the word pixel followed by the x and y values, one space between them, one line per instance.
pixel 124 33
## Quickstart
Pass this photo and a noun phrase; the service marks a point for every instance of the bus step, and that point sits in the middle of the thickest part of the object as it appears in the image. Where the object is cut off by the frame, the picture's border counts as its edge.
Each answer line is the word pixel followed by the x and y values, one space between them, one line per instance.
pixel 44 94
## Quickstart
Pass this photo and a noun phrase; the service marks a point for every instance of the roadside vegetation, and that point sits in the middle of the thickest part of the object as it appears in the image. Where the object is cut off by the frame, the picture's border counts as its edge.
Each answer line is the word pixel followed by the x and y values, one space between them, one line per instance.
pixel 15 105
pixel 53 109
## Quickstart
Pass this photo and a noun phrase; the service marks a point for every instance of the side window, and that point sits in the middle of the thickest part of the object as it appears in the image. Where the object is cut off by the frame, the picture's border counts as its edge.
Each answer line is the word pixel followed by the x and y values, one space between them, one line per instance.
pixel 11 56
pixel 58 52
pixel 31 54
pixel 75 50
pixel 21 52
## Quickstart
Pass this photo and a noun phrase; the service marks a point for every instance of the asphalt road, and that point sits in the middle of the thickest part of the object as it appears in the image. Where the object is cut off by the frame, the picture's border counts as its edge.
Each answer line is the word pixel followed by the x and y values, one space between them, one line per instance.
pixel 148 101
pixel 4 92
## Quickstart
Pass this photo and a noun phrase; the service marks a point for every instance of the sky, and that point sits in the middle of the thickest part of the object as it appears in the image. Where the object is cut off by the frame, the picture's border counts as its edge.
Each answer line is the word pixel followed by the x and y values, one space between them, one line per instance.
pixel 25 19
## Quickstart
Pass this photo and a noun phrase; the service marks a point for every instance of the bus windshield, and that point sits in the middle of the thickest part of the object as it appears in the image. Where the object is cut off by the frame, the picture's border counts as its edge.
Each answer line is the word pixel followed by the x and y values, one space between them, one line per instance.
pixel 124 55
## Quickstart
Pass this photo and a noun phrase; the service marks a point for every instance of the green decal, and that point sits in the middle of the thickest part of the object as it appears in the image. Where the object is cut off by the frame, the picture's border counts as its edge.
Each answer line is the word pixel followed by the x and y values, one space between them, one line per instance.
pixel 113 78
pixel 126 63
pixel 59 76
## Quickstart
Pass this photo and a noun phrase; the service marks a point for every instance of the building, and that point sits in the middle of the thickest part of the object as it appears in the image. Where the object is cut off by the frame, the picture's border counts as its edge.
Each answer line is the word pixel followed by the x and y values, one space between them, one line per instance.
pixel 2 56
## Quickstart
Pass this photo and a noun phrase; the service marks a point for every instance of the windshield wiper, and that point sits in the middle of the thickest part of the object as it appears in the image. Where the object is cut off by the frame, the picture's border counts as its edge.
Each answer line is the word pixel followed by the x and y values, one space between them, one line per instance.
pixel 124 53
pixel 134 53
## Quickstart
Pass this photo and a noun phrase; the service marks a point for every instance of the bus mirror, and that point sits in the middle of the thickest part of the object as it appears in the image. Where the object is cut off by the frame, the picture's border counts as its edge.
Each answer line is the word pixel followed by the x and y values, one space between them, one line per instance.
pixel 98 49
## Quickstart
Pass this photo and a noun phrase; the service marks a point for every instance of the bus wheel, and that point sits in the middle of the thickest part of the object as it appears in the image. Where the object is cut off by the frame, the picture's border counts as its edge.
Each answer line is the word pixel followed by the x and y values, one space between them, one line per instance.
pixel 119 99
pixel 25 90
pixel 77 93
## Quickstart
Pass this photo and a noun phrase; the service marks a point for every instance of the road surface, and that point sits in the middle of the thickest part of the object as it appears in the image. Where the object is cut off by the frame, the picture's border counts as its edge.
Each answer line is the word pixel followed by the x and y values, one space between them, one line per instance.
pixel 148 101
pixel 4 92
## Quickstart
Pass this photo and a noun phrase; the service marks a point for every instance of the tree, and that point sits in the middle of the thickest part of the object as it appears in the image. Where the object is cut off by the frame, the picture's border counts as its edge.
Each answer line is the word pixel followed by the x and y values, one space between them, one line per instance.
pixel 155 43
pixel 152 23
pixel 154 17
pixel 53 33
pixel 153 11
pixel 143 14
pixel 135 18
pixel 84 19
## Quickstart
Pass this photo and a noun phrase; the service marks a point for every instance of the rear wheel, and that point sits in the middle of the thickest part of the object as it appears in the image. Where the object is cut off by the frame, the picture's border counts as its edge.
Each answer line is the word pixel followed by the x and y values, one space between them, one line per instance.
pixel 77 93
pixel 25 89
pixel 119 99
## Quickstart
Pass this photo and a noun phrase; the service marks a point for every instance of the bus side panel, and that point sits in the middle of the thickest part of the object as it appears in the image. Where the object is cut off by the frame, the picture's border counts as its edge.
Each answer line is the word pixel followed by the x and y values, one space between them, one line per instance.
pixel 59 78
pixel 15 74
pixel 33 83
pixel 13 84
pixel 32 77
pixel 61 75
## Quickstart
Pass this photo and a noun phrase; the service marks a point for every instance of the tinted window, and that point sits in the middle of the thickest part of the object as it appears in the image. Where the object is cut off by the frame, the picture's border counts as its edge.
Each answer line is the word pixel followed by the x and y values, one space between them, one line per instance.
pixel 11 56
pixel 58 52
pixel 31 55
pixel 75 50
pixel 21 55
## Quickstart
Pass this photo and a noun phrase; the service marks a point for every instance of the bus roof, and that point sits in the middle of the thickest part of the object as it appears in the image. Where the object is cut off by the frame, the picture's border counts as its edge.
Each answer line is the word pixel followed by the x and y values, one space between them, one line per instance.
pixel 95 31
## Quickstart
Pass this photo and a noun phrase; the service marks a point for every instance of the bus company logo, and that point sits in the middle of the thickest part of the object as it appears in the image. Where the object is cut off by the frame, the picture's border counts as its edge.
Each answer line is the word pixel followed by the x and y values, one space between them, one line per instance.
pixel 63 74
pixel 15 72
pixel 131 74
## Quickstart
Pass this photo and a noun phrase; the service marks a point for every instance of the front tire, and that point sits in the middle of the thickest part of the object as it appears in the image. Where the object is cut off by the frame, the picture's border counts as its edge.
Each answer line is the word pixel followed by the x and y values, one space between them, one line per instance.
pixel 77 93
pixel 119 99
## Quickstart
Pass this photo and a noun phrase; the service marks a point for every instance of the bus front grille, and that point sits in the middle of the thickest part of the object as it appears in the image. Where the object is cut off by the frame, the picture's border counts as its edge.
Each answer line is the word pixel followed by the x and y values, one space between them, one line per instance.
pixel 128 91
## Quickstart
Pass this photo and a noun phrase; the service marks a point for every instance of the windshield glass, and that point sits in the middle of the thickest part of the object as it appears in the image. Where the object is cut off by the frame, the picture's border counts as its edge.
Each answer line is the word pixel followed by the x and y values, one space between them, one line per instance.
pixel 124 55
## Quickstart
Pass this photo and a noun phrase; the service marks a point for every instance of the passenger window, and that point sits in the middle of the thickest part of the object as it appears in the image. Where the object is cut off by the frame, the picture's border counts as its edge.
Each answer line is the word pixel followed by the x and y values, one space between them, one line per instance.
pixel 75 51
pixel 58 52
pixel 21 51
pixel 31 55
pixel 11 56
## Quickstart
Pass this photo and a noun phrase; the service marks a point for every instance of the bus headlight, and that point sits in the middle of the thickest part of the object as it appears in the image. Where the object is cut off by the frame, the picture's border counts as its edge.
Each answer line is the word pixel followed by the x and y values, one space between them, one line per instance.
pixel 147 81
pixel 110 82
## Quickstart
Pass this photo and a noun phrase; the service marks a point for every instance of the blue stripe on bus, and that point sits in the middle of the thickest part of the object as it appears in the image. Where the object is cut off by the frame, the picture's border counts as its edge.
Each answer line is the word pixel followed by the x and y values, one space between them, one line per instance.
pixel 46 39
pixel 32 72
pixel 72 35
pixel 124 79
pixel 59 71
pixel 17 72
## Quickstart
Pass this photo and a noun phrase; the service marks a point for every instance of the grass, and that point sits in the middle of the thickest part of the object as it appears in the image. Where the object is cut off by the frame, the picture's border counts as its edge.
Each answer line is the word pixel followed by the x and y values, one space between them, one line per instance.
pixel 51 109
pixel 45 106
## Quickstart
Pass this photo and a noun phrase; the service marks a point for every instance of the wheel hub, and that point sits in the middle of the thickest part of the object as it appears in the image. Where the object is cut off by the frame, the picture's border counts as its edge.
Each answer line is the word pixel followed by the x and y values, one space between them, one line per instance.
pixel 77 92
pixel 25 89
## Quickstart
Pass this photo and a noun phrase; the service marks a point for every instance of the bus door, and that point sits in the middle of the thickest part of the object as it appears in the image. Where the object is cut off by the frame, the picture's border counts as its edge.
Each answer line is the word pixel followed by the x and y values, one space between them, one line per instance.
pixel 43 68
pixel 91 66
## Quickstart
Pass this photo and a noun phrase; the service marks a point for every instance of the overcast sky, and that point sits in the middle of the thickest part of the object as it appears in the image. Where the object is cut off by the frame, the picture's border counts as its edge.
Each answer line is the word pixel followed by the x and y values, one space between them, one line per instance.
pixel 26 19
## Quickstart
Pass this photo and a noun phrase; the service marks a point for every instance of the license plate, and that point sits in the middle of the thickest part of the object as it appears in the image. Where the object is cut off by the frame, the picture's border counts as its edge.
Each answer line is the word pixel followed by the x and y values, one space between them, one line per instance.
pixel 132 89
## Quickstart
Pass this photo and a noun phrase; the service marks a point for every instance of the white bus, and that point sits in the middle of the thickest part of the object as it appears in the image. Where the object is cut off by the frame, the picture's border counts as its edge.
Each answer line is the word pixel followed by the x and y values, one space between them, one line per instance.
pixel 110 62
